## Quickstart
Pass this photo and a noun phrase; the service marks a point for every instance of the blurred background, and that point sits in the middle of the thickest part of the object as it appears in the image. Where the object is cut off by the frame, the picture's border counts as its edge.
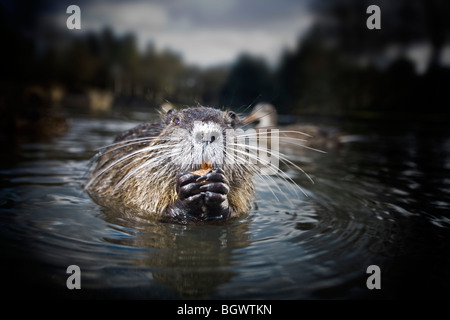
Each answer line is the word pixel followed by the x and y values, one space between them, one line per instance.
pixel 305 57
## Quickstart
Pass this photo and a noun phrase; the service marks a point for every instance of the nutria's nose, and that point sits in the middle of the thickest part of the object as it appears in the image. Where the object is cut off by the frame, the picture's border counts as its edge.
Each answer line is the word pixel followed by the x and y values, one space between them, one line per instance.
pixel 206 137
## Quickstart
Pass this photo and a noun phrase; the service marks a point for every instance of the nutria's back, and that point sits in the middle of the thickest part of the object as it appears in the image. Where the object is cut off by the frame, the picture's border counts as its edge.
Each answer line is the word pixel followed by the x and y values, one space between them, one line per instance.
pixel 148 168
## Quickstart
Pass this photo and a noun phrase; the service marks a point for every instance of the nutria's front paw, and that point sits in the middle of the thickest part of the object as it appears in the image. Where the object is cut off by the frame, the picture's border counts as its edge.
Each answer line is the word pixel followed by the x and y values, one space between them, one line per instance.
pixel 204 197
pixel 216 190
pixel 187 186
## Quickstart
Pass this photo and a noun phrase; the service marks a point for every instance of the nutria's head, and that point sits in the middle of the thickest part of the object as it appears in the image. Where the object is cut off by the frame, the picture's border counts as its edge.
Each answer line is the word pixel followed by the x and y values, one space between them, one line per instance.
pixel 198 136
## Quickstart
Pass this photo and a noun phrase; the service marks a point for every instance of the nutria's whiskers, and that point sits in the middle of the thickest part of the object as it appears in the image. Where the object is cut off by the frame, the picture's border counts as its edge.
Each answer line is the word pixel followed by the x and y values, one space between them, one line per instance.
pixel 275 170
pixel 284 139
pixel 256 171
pixel 118 145
pixel 152 162
pixel 122 159
pixel 278 154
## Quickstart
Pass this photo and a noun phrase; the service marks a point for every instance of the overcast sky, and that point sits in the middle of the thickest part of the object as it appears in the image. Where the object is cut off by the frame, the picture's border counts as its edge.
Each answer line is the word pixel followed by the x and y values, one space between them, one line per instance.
pixel 205 32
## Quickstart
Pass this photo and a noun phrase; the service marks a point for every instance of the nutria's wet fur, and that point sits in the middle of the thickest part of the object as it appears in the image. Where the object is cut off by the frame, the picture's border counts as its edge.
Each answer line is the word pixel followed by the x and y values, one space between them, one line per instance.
pixel 146 169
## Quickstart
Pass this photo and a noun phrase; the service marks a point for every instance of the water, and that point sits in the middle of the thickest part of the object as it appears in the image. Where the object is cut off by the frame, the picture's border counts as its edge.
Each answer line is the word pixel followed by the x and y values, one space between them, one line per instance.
pixel 382 199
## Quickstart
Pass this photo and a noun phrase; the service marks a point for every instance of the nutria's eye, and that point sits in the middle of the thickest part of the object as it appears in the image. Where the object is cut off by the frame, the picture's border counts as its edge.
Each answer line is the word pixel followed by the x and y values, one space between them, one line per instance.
pixel 176 121
pixel 232 115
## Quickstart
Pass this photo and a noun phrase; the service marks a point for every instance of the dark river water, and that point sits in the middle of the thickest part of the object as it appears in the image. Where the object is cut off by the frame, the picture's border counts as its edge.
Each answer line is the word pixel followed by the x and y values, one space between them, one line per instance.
pixel 382 198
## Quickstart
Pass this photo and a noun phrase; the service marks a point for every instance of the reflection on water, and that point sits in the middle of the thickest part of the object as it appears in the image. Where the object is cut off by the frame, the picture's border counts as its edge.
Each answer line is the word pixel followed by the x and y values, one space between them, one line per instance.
pixel 184 258
pixel 382 199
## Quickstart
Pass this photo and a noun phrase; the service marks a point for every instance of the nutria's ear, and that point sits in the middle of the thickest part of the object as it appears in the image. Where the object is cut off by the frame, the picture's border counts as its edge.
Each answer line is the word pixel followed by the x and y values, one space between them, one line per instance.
pixel 170 112
pixel 232 118
pixel 165 109
pixel 170 116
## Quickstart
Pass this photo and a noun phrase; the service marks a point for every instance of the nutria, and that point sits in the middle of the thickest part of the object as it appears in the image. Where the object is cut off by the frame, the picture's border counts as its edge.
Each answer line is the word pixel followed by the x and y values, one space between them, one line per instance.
pixel 156 168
